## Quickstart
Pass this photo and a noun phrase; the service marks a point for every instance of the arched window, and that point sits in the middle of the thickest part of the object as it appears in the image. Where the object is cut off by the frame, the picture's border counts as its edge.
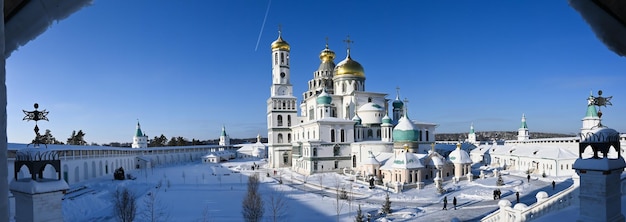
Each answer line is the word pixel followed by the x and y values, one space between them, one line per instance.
pixel 279 119
pixel 378 133
pixel 314 151
pixel 343 87
pixel 315 165
pixel 289 137
pixel 427 136
pixel 336 150
pixel 370 133
pixel 343 136
pixel 276 58
pixel 332 135
pixel 353 160
pixel 282 58
pixel 280 138
pixel 288 120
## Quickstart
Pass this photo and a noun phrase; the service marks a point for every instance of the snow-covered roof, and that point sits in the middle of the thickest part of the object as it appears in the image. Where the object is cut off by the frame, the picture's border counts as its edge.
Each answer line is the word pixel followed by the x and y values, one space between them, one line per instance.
pixel 18 146
pixel 405 160
pixel 459 156
pixel 27 185
pixel 544 151
pixel 602 164
pixel 371 159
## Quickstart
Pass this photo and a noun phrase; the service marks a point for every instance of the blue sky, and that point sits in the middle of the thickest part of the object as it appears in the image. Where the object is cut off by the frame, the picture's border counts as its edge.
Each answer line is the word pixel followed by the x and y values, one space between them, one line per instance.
pixel 185 68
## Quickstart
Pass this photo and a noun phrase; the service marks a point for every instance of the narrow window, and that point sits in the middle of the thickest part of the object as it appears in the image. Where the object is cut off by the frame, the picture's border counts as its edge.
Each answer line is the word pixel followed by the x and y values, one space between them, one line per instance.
pixel 279 119
pixel 285 157
pixel 343 136
pixel 332 135
pixel 353 160
pixel 288 120
pixel 314 151
pixel 280 138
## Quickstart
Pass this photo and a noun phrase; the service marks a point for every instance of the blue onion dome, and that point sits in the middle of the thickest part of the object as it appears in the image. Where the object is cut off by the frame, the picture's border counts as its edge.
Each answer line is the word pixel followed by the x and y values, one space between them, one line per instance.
pixel 397 103
pixel 405 131
pixel 324 98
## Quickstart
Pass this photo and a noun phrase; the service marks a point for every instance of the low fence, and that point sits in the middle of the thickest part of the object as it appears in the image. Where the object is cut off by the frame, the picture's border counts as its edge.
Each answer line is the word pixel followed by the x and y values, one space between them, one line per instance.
pixel 543 206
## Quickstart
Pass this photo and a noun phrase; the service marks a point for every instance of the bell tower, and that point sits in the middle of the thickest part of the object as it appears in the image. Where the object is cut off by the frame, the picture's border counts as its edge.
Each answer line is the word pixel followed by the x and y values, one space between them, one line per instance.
pixel 281 106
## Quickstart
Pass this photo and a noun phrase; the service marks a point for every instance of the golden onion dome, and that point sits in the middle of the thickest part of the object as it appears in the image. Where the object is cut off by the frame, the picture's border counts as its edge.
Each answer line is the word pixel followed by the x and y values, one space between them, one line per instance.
pixel 349 67
pixel 327 55
pixel 280 44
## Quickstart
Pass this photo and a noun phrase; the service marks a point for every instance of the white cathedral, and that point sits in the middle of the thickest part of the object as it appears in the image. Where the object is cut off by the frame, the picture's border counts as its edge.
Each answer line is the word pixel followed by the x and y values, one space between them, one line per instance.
pixel 341 126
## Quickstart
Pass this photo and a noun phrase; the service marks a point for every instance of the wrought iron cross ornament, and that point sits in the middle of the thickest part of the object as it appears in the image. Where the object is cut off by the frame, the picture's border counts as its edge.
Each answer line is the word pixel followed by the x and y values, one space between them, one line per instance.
pixel 36 115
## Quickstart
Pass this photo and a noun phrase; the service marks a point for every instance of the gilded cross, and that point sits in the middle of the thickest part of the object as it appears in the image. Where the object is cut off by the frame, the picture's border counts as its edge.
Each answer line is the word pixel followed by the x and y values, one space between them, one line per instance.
pixel 348 41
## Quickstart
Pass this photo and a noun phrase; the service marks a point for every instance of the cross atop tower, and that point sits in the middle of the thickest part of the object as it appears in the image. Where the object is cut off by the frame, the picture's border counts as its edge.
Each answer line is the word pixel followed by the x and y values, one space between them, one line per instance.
pixel 280 29
pixel 348 42
pixel 326 41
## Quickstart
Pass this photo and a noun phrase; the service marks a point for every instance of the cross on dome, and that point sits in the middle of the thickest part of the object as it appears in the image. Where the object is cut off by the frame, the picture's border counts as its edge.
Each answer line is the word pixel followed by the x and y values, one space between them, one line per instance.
pixel 348 42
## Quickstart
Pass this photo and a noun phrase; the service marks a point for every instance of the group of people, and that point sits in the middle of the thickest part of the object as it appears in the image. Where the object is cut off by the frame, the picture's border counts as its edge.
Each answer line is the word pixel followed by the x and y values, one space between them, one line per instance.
pixel 445 202
pixel 496 194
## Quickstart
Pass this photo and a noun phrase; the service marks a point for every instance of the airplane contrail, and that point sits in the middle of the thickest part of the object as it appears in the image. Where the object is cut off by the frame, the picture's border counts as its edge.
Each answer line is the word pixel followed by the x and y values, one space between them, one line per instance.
pixel 263 25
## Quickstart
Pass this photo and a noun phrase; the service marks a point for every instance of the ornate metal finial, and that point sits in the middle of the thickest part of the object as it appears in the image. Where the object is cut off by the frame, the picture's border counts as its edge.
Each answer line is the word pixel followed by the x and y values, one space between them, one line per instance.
pixel 280 30
pixel 36 115
pixel 599 101
pixel 326 41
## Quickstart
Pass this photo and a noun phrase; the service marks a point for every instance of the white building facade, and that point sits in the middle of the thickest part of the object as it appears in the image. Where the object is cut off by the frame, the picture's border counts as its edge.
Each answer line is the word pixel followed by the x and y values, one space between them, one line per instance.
pixel 339 123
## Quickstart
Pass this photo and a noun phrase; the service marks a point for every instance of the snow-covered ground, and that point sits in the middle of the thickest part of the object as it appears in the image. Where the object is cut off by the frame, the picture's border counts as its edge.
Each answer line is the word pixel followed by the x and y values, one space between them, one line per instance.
pixel 214 192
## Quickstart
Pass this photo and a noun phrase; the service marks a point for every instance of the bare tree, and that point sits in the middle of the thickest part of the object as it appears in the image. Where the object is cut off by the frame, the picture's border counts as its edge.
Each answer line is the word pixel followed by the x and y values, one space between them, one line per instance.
pixel 341 194
pixel 155 209
pixel 125 206
pixel 206 214
pixel 252 205
pixel 277 205
pixel 320 177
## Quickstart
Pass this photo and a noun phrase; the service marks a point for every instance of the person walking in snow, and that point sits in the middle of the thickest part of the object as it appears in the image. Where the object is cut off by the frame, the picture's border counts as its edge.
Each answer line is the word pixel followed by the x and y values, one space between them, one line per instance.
pixel 517 196
pixel 454 202
pixel 445 203
pixel 553 185
pixel 528 177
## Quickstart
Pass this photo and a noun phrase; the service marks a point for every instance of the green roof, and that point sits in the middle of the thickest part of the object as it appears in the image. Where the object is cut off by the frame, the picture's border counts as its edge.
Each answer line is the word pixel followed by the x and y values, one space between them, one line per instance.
pixel 591 111
pixel 138 133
